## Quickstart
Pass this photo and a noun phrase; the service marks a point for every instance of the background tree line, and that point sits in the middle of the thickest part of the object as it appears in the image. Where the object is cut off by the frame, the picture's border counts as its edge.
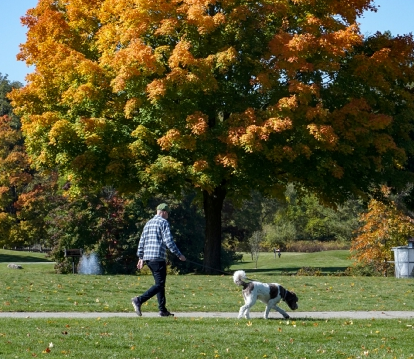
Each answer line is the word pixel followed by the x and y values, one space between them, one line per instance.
pixel 36 208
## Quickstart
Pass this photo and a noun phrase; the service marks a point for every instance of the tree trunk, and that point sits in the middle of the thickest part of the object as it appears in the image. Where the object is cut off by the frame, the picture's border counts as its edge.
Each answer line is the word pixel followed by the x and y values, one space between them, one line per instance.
pixel 213 204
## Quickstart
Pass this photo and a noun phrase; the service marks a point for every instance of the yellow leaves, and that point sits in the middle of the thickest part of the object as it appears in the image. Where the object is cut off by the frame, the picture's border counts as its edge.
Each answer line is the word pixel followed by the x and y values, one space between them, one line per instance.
pixel 317 112
pixel 164 168
pixel 248 130
pixel 156 89
pixel 197 122
pixel 323 133
pixel 185 142
pixel 181 56
pixel 305 93
pixel 107 38
pixel 38 123
pixel 251 139
pixel 227 160
pixel 142 132
pixel 200 165
pixel 84 92
pixel 131 107
pixel 91 130
pixel 197 15
pixel 168 27
pixel 187 72
pixel 383 226
pixel 288 103
pixel 167 141
pixel 322 36
pixel 139 148
pixel 278 124
pixel 61 132
pixel 226 58
pixel 137 59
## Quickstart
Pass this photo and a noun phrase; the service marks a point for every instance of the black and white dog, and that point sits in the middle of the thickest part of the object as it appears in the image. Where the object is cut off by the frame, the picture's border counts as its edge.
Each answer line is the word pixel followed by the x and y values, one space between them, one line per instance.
pixel 270 294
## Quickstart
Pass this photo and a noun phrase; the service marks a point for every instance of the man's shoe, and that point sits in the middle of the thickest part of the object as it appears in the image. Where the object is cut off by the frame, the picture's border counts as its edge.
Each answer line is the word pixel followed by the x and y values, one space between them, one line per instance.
pixel 166 314
pixel 137 306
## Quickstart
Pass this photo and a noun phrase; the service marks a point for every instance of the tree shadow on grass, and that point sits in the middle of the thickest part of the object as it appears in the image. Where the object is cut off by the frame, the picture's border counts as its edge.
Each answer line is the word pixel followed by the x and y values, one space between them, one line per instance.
pixel 294 270
pixel 24 257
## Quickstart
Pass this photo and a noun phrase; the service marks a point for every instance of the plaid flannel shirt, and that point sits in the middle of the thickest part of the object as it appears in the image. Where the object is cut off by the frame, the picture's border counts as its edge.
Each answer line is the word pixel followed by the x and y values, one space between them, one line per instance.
pixel 155 239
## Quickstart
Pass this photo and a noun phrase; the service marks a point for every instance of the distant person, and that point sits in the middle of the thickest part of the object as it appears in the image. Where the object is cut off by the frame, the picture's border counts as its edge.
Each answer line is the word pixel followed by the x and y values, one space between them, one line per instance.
pixel 152 251
pixel 278 252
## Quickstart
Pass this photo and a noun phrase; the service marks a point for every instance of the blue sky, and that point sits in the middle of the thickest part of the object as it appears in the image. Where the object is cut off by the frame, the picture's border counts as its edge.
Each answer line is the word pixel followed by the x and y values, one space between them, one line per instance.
pixel 393 15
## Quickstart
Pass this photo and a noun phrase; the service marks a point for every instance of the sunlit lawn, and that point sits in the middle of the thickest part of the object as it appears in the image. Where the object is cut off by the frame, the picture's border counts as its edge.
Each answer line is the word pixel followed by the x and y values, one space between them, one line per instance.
pixel 37 288
pixel 205 338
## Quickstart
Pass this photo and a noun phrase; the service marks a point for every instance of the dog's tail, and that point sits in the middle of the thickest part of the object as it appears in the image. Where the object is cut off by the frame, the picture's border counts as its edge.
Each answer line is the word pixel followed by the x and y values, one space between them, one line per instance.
pixel 238 277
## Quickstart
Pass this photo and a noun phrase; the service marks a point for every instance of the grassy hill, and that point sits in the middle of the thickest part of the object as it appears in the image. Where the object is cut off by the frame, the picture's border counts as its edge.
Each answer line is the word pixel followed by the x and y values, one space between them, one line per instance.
pixel 328 262
pixel 7 255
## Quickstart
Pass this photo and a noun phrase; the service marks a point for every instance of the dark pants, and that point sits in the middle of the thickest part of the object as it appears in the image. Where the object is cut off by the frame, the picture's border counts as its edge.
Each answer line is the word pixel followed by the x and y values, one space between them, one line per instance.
pixel 159 272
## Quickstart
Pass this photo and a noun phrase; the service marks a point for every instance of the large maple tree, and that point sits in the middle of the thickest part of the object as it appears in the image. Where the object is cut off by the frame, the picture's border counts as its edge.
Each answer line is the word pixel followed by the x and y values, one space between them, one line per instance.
pixel 221 96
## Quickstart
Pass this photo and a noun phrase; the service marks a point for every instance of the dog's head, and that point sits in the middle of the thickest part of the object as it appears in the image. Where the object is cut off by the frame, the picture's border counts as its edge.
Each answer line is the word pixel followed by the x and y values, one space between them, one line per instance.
pixel 291 300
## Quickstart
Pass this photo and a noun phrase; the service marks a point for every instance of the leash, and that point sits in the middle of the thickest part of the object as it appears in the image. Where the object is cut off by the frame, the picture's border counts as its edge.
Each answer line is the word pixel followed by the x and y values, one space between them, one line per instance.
pixel 215 269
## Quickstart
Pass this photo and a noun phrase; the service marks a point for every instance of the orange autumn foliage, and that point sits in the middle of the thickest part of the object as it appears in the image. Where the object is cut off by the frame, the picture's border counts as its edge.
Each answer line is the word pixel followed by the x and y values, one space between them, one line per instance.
pixel 24 196
pixel 383 226
pixel 112 61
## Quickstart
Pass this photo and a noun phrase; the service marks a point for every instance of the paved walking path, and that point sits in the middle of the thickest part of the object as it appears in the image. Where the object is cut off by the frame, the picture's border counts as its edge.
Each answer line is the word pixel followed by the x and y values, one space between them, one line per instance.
pixel 293 315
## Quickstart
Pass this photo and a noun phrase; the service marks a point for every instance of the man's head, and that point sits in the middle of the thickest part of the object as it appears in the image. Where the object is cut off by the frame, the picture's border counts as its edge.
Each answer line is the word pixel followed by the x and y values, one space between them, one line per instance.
pixel 162 210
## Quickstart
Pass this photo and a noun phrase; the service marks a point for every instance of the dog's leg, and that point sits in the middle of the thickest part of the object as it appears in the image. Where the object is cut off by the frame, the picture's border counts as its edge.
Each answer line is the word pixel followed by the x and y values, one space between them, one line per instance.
pixel 267 310
pixel 249 301
pixel 241 311
pixel 247 313
pixel 243 307
pixel 270 304
pixel 281 311
pixel 244 311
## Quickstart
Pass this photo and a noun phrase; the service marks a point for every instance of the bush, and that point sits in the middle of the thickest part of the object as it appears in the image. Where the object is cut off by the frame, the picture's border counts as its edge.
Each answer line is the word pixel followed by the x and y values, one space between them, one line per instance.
pixel 363 269
pixel 309 271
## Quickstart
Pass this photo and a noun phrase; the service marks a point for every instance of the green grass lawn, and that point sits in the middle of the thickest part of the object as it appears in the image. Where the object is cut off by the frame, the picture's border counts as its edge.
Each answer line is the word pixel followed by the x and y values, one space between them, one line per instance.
pixel 21 257
pixel 200 338
pixel 37 288
pixel 329 262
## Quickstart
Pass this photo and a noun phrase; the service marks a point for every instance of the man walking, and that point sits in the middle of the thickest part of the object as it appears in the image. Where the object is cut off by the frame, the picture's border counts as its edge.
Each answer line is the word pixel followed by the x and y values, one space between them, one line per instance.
pixel 152 250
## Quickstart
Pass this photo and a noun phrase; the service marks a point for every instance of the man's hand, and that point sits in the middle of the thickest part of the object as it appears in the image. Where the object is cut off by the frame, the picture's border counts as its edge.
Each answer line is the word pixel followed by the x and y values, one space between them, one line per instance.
pixel 182 258
pixel 140 264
